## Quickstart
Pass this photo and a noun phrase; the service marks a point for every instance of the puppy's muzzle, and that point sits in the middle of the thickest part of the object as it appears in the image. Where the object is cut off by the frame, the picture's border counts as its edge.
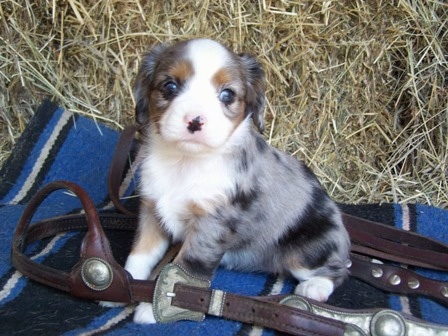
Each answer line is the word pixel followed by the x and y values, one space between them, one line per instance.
pixel 195 124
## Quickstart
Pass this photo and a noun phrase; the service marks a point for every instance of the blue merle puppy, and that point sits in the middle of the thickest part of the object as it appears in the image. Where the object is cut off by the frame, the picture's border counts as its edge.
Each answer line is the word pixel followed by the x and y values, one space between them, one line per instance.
pixel 210 181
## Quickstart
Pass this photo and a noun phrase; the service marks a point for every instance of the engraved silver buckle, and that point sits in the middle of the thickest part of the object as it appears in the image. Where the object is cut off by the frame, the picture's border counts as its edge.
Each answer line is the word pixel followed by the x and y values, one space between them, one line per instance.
pixel 164 293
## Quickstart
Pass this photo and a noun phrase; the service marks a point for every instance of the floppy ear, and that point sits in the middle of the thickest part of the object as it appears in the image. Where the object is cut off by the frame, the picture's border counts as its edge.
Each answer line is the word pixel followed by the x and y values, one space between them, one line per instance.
pixel 143 83
pixel 255 95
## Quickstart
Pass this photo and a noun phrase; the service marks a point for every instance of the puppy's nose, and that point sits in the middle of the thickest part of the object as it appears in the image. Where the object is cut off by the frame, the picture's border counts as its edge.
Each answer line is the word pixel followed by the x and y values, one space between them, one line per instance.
pixel 195 124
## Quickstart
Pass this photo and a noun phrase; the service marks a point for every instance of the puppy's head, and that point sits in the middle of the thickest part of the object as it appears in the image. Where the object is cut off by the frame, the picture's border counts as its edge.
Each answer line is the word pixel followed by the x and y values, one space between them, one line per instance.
pixel 194 94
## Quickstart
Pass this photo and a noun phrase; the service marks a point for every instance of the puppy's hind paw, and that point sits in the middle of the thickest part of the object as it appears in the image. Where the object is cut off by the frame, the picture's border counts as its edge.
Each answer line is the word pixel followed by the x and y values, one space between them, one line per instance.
pixel 317 288
pixel 110 304
pixel 144 314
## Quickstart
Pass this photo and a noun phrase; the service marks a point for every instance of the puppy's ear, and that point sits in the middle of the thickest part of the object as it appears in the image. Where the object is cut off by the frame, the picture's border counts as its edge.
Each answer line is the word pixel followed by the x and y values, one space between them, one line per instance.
pixel 255 95
pixel 143 83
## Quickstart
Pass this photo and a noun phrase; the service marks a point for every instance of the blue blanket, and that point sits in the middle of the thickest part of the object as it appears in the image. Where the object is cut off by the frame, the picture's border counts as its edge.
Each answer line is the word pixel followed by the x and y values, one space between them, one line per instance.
pixel 60 145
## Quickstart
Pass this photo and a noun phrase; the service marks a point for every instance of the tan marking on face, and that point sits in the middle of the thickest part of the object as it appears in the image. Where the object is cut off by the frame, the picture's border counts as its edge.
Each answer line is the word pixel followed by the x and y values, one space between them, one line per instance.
pixel 150 234
pixel 223 77
pixel 229 77
pixel 178 71
pixel 182 70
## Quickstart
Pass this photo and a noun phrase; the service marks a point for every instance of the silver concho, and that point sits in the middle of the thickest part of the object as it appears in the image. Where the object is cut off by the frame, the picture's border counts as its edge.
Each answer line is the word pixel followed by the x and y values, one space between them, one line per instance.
pixel 387 323
pixel 97 274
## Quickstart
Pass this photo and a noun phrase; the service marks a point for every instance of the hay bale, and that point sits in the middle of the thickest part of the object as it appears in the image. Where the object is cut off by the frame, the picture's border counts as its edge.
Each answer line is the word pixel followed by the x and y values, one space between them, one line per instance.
pixel 357 89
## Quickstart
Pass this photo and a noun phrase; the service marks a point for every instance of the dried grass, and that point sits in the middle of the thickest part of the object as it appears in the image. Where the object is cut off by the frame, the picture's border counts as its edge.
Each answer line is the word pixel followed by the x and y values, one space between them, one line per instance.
pixel 357 89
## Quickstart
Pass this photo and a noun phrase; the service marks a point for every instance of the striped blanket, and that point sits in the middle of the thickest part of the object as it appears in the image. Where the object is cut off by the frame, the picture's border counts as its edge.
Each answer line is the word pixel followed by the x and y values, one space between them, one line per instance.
pixel 60 145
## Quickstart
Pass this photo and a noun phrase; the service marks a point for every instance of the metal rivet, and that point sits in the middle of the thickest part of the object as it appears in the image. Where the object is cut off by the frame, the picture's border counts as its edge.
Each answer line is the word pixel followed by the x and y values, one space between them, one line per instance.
pixel 377 272
pixel 394 280
pixel 296 302
pixel 444 291
pixel 387 323
pixel 96 274
pixel 413 283
pixel 348 263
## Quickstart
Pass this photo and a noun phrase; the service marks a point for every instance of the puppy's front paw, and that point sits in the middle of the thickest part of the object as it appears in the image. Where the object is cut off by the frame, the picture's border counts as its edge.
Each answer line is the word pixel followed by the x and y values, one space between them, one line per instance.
pixel 317 288
pixel 110 304
pixel 144 314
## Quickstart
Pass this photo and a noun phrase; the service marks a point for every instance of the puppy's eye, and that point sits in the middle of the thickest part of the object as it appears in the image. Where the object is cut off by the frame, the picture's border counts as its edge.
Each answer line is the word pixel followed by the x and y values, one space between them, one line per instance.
pixel 169 90
pixel 227 96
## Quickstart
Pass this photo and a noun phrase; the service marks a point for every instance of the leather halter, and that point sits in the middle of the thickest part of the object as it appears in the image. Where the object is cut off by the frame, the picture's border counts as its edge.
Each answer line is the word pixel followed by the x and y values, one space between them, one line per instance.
pixel 98 276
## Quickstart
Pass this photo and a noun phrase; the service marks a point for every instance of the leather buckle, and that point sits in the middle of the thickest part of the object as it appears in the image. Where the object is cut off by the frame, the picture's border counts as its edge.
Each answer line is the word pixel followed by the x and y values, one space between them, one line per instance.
pixel 170 275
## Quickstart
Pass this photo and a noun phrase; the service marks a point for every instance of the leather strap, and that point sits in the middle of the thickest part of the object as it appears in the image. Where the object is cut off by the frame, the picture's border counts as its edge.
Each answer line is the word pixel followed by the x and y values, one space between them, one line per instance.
pixel 94 245
pixel 259 311
pixel 386 242
pixel 397 279
pixel 118 164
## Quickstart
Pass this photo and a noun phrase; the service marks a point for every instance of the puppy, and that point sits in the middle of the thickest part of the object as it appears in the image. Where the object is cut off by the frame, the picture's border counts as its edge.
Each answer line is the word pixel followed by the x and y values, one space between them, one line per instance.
pixel 210 181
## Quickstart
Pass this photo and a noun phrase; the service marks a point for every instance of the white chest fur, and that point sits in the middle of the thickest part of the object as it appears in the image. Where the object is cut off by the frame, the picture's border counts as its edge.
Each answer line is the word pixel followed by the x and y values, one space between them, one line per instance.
pixel 180 184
